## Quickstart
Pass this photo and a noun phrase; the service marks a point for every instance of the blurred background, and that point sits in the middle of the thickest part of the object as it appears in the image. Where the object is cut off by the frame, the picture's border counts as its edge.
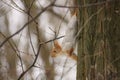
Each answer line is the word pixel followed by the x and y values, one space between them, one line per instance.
pixel 19 52
pixel 27 25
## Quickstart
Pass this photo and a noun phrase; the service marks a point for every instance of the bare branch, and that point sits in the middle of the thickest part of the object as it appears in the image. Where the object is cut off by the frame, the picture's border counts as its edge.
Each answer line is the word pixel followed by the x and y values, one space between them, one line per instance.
pixel 43 10
pixel 36 57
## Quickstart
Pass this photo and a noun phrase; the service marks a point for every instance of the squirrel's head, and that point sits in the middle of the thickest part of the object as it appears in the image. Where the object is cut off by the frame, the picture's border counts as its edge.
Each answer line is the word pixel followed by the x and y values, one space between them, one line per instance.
pixel 57 50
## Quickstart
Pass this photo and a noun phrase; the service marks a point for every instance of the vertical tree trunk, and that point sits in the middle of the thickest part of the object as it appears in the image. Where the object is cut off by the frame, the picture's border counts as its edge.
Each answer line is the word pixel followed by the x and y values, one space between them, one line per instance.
pixel 82 53
pixel 113 33
pixel 98 47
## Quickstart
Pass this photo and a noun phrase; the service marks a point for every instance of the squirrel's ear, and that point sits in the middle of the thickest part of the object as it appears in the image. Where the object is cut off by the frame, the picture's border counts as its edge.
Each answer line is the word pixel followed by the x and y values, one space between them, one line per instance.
pixel 57 45
pixel 70 51
pixel 71 54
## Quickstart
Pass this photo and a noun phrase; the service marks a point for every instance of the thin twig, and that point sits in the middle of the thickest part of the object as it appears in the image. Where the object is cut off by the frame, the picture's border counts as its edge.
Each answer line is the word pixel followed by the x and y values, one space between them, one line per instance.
pixel 16 6
pixel 29 29
pixel 51 40
pixel 32 4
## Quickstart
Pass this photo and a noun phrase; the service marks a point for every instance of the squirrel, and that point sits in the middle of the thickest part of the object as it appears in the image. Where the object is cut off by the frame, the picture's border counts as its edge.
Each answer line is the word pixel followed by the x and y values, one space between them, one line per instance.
pixel 57 51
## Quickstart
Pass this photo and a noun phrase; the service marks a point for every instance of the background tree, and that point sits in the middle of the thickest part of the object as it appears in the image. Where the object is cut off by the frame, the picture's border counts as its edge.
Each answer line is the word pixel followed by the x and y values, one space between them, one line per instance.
pixel 98 50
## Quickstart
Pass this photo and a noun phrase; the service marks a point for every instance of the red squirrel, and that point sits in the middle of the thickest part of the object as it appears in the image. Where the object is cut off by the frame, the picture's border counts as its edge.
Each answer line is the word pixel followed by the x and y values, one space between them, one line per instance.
pixel 57 51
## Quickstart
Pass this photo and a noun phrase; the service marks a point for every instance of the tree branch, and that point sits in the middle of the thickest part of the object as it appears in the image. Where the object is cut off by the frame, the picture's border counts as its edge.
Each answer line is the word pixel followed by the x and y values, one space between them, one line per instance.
pixel 43 10
pixel 36 57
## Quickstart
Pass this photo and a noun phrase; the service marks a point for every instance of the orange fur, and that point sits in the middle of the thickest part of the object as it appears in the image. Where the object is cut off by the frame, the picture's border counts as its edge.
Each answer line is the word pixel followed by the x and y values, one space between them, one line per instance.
pixel 57 50
pixel 71 54
pixel 74 57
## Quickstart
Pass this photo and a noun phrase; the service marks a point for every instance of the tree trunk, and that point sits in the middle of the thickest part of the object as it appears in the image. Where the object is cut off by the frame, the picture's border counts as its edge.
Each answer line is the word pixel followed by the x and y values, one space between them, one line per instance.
pixel 98 43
